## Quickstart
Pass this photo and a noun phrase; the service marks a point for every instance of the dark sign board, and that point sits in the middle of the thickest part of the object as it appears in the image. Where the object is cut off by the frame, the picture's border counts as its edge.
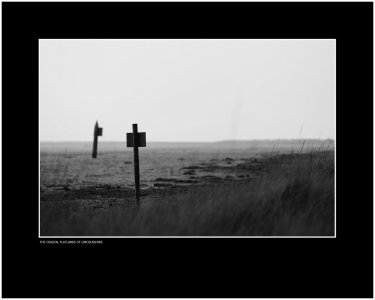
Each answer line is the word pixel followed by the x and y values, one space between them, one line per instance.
pixel 100 131
pixel 141 139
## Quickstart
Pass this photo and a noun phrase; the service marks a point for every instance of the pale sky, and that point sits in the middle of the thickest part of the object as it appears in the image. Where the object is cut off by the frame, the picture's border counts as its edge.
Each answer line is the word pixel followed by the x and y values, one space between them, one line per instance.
pixel 187 90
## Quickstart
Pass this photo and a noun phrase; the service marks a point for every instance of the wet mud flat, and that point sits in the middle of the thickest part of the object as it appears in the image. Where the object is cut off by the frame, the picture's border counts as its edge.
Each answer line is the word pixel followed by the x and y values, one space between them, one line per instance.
pixel 103 196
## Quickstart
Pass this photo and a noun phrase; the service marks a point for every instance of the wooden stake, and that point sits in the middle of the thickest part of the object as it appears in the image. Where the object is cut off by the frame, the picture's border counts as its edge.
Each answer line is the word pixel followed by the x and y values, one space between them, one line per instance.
pixel 98 131
pixel 136 139
pixel 95 146
pixel 136 163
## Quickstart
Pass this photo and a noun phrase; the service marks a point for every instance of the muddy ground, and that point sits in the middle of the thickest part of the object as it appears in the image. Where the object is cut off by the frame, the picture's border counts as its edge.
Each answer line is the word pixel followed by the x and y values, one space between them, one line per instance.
pixel 102 196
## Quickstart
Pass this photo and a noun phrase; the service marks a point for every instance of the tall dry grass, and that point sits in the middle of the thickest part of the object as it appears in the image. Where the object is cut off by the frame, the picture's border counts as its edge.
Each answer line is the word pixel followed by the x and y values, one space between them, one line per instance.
pixel 294 196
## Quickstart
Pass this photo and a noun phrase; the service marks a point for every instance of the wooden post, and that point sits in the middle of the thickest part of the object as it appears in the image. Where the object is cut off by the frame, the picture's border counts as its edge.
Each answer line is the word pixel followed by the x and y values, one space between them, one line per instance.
pixel 97 132
pixel 136 162
pixel 95 146
pixel 136 139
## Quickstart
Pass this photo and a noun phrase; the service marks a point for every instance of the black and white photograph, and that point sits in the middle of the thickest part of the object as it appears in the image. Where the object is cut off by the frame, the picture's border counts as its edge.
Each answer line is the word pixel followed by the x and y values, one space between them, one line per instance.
pixel 187 137
pixel 187 149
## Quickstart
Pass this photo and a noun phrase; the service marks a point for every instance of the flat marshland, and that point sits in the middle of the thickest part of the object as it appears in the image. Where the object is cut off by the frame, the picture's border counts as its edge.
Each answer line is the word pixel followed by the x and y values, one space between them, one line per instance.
pixel 188 190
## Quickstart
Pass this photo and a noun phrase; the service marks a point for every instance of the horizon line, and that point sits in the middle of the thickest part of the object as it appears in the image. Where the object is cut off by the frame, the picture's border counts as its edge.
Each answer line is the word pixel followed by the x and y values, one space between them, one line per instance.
pixel 218 141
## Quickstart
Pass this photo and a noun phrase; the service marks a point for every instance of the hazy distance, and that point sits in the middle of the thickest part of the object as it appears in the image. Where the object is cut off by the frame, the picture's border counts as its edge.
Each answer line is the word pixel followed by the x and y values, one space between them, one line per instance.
pixel 187 90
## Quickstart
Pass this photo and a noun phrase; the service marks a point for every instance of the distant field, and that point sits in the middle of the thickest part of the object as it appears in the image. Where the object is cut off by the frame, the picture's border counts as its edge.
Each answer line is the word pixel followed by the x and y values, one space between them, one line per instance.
pixel 246 188
pixel 70 164
pixel 220 146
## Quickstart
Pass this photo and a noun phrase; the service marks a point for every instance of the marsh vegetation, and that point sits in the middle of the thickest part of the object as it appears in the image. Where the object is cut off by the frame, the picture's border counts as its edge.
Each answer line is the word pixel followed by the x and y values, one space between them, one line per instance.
pixel 197 191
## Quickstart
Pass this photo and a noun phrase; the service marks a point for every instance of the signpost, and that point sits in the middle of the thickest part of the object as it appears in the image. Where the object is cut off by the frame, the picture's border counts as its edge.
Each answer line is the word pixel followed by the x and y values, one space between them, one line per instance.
pixel 136 139
pixel 98 131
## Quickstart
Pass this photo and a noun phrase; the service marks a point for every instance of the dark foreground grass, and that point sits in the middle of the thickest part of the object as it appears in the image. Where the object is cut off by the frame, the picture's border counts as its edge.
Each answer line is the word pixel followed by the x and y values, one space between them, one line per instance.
pixel 294 196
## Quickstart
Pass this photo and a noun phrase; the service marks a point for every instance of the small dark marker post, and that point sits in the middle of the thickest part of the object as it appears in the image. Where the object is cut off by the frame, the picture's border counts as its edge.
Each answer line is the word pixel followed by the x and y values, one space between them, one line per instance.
pixel 136 162
pixel 136 139
pixel 97 132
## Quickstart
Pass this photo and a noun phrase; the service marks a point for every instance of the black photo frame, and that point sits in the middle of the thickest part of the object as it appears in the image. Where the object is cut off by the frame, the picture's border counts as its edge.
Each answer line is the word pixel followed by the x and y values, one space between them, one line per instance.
pixel 340 267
